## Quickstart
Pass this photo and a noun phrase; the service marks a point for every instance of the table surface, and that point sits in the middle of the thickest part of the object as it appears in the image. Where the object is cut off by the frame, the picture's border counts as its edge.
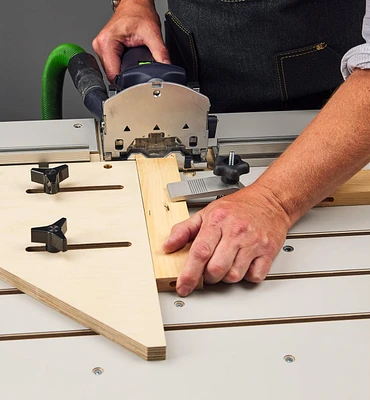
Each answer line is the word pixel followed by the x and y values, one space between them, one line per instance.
pixel 225 341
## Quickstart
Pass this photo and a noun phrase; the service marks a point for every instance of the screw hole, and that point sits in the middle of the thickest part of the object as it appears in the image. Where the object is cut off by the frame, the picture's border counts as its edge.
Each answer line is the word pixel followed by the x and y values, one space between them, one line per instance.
pixel 179 304
pixel 288 248
pixel 172 284
pixel 77 126
pixel 108 166
pixel 156 93
pixel 98 371
pixel 289 358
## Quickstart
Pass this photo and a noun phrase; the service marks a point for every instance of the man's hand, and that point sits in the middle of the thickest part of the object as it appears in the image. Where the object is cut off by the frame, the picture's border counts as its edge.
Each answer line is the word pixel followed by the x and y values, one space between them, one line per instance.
pixel 135 23
pixel 236 237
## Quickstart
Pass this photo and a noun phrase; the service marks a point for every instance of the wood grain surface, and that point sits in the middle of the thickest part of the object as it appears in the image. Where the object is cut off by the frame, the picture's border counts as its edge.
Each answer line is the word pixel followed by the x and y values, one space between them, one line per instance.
pixel 161 215
pixel 110 290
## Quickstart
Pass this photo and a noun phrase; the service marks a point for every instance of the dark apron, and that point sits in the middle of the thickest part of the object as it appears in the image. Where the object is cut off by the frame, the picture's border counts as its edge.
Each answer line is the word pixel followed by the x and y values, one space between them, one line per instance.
pixel 259 55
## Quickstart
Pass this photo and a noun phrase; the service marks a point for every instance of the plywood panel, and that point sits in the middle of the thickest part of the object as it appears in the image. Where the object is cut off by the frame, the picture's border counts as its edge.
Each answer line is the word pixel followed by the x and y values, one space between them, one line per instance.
pixel 161 215
pixel 111 291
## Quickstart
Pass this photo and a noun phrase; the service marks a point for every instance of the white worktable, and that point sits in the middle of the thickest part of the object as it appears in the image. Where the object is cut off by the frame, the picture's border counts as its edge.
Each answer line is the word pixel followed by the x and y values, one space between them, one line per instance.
pixel 227 341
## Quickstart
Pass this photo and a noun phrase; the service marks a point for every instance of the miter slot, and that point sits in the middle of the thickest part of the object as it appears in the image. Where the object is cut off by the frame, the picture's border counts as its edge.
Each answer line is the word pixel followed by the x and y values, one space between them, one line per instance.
pixel 266 321
pixel 47 335
pixel 317 274
pixel 196 325
pixel 83 246
pixel 9 291
pixel 79 189
pixel 313 235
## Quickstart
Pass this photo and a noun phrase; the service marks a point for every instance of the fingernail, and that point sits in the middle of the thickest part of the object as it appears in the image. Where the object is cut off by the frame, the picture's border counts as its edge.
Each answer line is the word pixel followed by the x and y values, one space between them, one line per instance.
pixel 183 291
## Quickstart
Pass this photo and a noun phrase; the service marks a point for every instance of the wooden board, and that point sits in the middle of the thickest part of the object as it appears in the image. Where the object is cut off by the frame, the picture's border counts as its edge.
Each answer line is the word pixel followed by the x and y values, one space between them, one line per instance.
pixel 161 215
pixel 354 192
pixel 110 290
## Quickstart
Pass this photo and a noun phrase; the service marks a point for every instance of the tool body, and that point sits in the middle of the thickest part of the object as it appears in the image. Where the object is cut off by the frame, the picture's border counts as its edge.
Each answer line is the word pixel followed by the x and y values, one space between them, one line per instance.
pixel 152 111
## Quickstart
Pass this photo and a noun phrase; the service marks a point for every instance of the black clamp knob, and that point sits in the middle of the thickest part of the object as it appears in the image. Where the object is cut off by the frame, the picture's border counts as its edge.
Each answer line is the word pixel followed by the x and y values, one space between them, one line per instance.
pixel 50 177
pixel 52 236
pixel 230 168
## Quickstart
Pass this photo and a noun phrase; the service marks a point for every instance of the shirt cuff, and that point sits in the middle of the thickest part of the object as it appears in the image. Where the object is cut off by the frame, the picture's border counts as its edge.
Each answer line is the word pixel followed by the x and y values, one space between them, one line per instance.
pixel 358 57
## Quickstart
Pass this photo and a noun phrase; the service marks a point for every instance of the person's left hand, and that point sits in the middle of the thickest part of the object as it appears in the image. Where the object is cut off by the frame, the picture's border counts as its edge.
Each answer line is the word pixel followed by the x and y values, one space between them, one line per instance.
pixel 236 237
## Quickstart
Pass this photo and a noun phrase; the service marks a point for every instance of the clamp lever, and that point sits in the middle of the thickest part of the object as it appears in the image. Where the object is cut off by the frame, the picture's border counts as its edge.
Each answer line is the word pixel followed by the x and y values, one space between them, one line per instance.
pixel 229 168
pixel 50 177
pixel 52 236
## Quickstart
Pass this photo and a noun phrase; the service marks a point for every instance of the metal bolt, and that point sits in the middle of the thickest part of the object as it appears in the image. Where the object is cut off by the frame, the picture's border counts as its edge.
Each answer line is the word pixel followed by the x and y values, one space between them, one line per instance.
pixel 179 304
pixel 77 126
pixel 288 248
pixel 98 371
pixel 232 157
pixel 289 358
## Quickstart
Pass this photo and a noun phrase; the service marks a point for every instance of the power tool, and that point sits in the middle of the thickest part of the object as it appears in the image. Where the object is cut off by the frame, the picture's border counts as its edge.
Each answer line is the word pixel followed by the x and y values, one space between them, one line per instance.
pixel 150 109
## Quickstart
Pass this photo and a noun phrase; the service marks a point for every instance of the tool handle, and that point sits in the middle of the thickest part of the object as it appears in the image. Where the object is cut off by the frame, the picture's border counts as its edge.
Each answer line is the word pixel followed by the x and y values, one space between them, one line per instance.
pixel 135 56
pixel 138 66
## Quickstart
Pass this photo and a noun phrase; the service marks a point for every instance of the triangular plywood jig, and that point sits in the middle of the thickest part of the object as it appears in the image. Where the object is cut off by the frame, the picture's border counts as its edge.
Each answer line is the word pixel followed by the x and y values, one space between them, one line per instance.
pixel 110 290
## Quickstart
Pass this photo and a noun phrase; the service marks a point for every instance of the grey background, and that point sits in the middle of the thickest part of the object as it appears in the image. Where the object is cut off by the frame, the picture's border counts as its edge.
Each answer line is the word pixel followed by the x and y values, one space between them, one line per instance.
pixel 29 31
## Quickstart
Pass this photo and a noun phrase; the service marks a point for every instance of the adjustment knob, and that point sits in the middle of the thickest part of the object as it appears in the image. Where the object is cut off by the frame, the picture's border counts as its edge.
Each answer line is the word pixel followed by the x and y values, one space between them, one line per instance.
pixel 230 168
pixel 52 236
pixel 50 177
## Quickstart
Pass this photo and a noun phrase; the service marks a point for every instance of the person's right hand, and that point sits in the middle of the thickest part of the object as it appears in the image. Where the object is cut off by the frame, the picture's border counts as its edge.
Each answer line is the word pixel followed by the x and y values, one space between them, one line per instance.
pixel 135 23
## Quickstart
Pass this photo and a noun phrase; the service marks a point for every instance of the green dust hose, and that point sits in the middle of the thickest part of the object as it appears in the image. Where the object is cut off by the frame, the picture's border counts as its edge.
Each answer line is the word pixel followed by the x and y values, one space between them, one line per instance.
pixel 53 78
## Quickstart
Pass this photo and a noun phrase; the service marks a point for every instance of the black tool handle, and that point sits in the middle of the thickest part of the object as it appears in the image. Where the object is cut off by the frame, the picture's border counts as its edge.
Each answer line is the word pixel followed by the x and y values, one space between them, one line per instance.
pixel 138 66
pixel 135 56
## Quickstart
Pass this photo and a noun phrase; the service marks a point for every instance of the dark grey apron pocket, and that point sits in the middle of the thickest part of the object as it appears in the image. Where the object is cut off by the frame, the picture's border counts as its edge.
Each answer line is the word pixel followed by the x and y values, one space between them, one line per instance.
pixel 307 71
pixel 181 46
